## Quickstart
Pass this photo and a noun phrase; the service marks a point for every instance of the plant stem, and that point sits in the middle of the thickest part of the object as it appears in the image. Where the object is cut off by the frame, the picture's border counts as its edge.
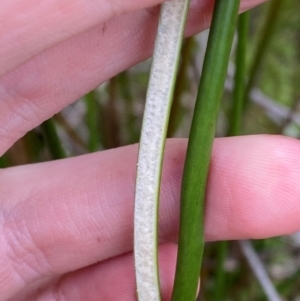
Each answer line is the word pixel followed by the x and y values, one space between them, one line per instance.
pixel 264 41
pixel 191 240
pixel 52 140
pixel 153 136
pixel 177 109
pixel 220 279
pixel 240 76
pixel 234 130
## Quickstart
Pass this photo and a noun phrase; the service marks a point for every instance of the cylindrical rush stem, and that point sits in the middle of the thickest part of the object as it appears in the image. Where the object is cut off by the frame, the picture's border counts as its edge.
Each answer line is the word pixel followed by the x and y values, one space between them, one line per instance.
pixel 191 236
pixel 153 136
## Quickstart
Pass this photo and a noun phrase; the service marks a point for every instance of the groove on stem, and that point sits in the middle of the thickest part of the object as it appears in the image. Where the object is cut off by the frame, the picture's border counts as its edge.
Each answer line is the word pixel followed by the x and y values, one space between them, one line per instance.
pixel 191 240
pixel 154 129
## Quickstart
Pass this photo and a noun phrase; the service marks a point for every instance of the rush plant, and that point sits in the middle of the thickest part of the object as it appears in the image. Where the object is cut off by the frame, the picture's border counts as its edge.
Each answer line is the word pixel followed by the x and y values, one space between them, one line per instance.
pixel 154 131
pixel 158 103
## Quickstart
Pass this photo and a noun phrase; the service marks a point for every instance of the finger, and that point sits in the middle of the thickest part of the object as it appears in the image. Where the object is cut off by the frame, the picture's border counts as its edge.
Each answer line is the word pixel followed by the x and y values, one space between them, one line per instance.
pixel 110 280
pixel 42 87
pixel 28 29
pixel 72 213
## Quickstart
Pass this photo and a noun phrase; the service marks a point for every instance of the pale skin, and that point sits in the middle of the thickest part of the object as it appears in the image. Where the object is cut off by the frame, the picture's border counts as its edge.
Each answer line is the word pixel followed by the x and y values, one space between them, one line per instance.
pixel 66 226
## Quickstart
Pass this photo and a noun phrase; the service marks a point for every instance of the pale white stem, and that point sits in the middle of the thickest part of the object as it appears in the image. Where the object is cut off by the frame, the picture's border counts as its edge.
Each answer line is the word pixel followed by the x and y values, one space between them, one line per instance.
pixel 153 136
pixel 259 271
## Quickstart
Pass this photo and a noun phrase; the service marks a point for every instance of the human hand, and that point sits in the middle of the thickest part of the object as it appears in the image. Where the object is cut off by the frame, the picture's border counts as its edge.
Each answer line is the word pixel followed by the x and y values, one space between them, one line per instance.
pixel 67 225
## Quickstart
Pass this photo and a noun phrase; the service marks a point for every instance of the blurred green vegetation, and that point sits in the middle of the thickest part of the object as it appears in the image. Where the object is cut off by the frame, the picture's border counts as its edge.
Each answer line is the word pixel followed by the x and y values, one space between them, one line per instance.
pixel 280 76
pixel 111 116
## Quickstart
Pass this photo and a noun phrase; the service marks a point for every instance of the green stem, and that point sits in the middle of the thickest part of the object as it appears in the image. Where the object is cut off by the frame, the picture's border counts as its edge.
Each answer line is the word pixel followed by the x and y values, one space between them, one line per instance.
pixel 176 110
pixel 191 236
pixel 52 140
pixel 234 130
pixel 240 76
pixel 264 41
pixel 220 278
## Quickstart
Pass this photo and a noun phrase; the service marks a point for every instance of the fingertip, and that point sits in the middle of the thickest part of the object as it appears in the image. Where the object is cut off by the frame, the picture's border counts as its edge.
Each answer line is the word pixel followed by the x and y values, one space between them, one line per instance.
pixel 257 192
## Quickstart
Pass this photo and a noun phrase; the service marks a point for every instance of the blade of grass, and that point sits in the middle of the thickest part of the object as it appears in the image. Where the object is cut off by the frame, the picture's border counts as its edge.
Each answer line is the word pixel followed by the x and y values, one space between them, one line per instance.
pixel 267 33
pixel 52 139
pixel 220 278
pixel 234 130
pixel 153 136
pixel 191 240
pixel 240 76
pixel 273 109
